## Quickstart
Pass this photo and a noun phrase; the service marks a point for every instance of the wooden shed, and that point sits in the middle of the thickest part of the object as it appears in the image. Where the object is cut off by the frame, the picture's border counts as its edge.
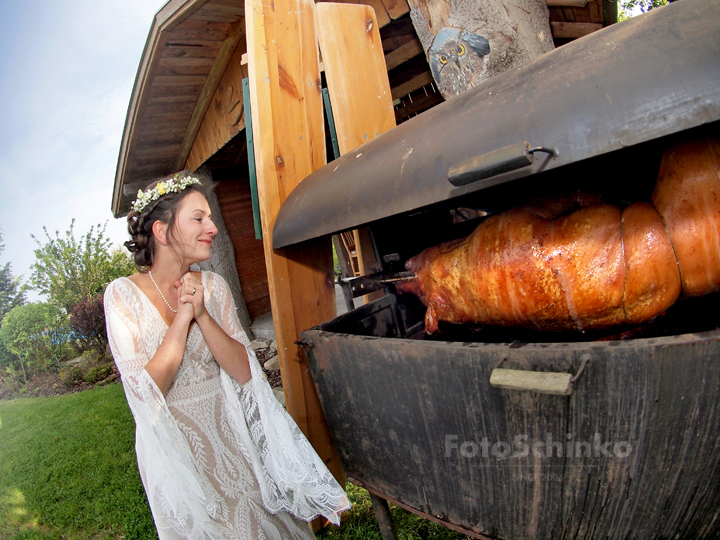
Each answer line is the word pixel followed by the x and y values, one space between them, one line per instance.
pixel 186 108
pixel 187 111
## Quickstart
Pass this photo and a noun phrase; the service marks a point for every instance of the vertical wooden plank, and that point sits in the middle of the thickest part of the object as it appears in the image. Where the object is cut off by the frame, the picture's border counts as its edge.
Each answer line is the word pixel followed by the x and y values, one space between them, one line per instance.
pixel 237 82
pixel 289 139
pixel 222 126
pixel 207 142
pixel 381 14
pixel 214 124
pixel 356 73
pixel 359 88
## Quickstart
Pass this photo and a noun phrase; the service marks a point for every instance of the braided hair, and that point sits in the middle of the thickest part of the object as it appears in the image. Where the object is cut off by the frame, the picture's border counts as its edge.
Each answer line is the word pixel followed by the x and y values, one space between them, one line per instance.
pixel 164 209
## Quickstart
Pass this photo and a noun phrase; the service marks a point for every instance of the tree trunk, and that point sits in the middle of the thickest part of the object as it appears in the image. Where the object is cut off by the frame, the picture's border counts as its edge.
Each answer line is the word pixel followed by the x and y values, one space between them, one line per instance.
pixel 468 41
pixel 22 365
pixel 222 261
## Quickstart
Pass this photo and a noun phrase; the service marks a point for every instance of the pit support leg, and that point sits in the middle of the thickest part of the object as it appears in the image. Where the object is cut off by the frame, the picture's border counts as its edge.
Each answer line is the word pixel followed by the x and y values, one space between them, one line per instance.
pixel 382 515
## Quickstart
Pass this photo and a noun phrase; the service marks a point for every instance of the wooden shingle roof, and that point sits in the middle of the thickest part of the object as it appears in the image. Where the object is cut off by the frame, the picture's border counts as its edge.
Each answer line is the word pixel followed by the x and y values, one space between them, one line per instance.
pixel 187 50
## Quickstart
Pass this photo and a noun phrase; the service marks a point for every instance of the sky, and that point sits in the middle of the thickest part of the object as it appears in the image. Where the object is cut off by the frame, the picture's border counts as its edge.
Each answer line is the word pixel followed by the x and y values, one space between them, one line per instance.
pixel 67 68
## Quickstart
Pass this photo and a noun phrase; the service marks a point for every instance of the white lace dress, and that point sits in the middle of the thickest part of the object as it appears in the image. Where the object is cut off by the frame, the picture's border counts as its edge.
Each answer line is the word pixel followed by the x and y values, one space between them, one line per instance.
pixel 218 460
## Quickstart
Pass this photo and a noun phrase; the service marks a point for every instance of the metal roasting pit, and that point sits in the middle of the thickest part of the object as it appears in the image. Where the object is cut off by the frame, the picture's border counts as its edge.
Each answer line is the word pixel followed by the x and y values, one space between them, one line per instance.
pixel 629 447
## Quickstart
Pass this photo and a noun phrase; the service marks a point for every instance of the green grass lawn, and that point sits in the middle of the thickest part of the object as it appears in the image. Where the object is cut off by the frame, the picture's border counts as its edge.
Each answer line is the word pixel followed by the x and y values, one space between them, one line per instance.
pixel 359 523
pixel 68 471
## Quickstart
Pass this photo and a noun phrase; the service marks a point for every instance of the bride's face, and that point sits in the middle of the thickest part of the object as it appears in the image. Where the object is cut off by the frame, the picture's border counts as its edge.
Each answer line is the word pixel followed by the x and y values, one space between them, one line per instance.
pixel 194 229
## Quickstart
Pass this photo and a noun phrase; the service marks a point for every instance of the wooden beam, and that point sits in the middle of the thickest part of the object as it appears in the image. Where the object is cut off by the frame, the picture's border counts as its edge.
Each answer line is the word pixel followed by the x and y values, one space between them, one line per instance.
pixel 287 122
pixel 403 53
pixel 413 84
pixel 573 30
pixel 396 8
pixel 420 102
pixel 245 62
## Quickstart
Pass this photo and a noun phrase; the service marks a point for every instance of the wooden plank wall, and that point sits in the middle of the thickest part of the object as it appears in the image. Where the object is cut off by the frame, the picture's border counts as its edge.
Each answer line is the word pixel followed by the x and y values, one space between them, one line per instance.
pixel 233 191
pixel 225 116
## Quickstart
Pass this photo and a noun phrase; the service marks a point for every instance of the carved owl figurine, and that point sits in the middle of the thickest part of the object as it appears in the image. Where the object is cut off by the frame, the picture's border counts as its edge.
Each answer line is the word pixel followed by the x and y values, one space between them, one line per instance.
pixel 458 60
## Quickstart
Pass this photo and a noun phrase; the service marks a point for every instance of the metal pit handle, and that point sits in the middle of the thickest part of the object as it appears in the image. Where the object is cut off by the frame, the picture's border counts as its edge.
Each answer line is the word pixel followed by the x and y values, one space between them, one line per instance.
pixel 513 157
pixel 560 384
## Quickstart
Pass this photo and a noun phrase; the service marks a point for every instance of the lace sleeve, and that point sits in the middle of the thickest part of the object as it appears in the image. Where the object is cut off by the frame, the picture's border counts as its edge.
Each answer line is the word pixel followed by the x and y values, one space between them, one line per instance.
pixel 291 475
pixel 181 497
pixel 221 307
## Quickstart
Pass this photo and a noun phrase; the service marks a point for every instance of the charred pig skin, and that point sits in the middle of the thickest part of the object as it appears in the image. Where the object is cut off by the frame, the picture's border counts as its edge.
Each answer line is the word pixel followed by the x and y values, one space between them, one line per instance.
pixel 575 263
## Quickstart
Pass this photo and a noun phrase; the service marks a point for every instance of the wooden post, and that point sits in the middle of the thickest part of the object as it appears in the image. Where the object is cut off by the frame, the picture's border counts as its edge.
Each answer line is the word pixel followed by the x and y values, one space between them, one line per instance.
pixel 356 73
pixel 289 138
pixel 383 517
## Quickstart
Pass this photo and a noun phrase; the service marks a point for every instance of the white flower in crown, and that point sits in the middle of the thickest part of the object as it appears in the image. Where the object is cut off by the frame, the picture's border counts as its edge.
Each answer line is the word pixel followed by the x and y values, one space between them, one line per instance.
pixel 175 185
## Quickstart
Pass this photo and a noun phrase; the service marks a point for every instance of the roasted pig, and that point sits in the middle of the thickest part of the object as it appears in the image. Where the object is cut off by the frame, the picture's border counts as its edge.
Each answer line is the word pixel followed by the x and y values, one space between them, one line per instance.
pixel 575 263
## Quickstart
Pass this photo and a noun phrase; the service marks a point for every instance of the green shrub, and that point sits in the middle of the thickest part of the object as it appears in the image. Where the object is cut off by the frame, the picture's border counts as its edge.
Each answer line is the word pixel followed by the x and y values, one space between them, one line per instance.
pixel 65 351
pixel 92 357
pixel 36 336
pixel 71 376
pixel 98 373
pixel 87 319
pixel 11 378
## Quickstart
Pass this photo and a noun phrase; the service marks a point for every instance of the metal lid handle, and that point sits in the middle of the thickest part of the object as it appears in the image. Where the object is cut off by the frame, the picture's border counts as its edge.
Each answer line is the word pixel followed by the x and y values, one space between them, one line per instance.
pixel 513 157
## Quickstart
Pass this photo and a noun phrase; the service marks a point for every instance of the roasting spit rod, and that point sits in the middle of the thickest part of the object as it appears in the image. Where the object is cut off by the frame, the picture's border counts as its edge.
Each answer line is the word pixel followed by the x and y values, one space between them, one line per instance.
pixel 361 285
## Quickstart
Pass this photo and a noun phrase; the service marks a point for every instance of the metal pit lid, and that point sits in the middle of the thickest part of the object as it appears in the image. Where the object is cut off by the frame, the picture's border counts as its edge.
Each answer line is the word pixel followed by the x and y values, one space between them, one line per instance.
pixel 631 82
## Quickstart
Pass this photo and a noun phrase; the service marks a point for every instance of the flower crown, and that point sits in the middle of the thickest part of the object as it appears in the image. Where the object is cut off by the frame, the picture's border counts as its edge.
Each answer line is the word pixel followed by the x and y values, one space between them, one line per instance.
pixel 175 185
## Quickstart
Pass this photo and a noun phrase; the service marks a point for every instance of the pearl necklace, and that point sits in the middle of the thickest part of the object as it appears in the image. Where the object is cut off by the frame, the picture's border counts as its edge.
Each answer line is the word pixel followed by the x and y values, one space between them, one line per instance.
pixel 161 294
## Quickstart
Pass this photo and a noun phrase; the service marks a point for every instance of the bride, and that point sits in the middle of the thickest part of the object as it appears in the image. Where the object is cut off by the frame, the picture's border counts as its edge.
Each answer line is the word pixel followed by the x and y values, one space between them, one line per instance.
pixel 218 455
